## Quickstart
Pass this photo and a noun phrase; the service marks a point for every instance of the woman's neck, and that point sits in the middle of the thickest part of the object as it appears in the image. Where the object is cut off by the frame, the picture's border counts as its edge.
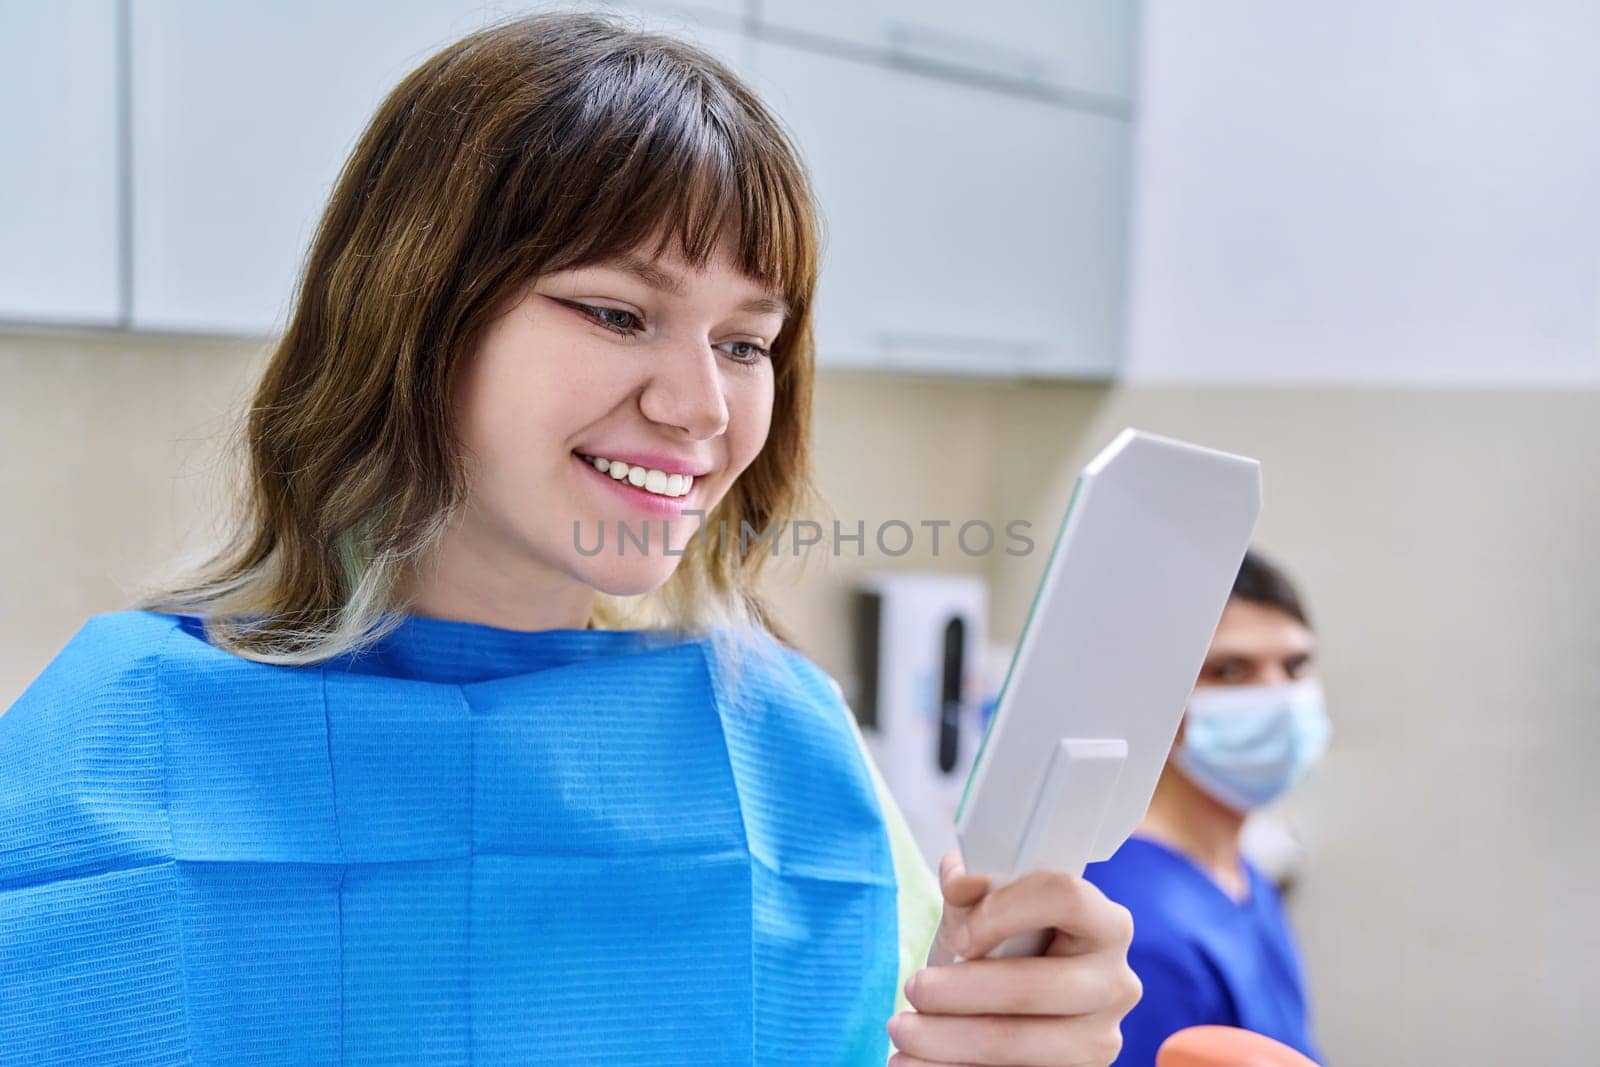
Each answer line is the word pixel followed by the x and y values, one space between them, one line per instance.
pixel 1184 817
pixel 461 588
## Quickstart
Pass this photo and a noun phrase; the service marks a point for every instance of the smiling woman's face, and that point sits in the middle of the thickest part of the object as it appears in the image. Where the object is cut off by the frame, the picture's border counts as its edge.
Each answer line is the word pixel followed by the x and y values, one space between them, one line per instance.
pixel 642 362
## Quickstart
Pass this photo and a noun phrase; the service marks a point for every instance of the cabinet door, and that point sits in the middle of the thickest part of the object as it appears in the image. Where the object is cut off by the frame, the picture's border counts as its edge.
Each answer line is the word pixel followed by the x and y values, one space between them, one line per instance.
pixel 243 115
pixel 60 219
pixel 1083 47
pixel 968 231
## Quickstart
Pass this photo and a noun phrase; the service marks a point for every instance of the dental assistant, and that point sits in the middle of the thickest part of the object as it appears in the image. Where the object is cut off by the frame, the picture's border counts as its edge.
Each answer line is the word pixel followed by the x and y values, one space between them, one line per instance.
pixel 1211 943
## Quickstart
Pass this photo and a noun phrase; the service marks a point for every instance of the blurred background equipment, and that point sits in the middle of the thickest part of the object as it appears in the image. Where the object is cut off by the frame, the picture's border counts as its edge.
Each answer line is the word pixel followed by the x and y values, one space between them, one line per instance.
pixel 919 642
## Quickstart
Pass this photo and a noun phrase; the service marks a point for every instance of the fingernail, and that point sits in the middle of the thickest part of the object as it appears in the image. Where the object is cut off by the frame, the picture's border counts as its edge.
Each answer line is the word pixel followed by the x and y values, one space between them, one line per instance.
pixel 894 1026
pixel 911 985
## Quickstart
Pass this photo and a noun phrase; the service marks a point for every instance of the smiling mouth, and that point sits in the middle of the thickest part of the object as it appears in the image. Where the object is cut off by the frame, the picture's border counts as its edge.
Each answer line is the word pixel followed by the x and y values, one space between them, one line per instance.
pixel 646 480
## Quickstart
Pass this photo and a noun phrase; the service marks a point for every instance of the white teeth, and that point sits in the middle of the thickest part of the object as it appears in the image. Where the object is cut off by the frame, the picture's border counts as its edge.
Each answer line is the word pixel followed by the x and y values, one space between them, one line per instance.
pixel 653 481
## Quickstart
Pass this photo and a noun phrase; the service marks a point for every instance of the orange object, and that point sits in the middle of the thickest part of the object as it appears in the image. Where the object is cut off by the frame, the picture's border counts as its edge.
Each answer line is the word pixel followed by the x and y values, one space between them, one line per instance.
pixel 1226 1046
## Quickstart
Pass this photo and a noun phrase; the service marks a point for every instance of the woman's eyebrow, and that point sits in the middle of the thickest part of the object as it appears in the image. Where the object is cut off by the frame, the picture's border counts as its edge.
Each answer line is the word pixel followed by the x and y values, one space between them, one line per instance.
pixel 666 282
pixel 764 305
pixel 648 273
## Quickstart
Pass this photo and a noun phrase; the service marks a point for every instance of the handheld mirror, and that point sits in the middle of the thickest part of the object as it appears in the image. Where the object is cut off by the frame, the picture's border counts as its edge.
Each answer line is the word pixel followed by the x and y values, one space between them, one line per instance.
pixel 1141 570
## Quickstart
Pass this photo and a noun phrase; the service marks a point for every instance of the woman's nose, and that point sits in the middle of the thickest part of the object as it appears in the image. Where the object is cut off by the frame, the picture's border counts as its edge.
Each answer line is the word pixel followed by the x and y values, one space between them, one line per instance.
pixel 685 390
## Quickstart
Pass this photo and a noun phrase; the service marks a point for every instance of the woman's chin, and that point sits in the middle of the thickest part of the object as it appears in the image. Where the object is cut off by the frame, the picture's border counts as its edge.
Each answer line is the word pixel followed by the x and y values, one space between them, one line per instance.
pixel 634 576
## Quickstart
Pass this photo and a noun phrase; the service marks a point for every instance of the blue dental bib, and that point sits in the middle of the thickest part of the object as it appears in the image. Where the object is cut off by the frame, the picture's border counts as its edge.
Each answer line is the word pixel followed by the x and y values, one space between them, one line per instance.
pixel 465 845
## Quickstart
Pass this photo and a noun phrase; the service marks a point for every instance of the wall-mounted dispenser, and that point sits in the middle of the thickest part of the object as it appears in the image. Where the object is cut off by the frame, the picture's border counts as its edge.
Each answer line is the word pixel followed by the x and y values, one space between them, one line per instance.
pixel 920 643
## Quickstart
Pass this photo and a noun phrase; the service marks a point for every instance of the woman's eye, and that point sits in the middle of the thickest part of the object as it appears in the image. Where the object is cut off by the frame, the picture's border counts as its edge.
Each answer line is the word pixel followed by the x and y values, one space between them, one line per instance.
pixel 745 351
pixel 611 318
pixel 620 321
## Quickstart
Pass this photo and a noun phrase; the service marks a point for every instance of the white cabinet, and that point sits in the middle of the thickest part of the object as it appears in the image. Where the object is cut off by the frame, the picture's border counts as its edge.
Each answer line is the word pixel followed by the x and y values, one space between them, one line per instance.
pixel 60 218
pixel 167 173
pixel 1073 46
pixel 243 116
pixel 968 231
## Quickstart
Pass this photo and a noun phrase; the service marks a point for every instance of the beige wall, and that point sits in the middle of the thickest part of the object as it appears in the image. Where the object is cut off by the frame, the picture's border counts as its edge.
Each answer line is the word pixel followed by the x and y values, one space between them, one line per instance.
pixel 1446 542
pixel 108 457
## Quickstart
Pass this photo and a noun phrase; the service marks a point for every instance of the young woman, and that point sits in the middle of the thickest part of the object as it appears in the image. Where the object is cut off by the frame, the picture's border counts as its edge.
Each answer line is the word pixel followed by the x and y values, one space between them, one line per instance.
pixel 410 770
pixel 1212 945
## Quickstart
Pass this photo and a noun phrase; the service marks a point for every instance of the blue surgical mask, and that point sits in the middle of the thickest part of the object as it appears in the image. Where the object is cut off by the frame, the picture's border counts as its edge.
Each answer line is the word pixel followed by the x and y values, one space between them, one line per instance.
pixel 1246 745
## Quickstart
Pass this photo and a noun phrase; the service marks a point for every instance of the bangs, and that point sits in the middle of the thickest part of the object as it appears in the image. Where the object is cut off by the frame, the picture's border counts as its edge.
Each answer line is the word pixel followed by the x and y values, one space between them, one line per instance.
pixel 665 151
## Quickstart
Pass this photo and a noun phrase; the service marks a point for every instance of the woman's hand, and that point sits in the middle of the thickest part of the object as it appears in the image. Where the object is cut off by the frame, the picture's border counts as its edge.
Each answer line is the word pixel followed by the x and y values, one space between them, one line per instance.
pixel 1064 1007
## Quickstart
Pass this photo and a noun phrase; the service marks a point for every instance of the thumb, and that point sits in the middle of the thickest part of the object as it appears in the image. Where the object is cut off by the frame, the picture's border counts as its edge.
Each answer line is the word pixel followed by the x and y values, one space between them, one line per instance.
pixel 961 892
pixel 960 889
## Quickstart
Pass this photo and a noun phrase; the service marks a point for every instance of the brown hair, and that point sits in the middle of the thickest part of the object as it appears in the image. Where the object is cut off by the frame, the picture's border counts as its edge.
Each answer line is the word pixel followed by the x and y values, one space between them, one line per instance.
pixel 1262 581
pixel 534 145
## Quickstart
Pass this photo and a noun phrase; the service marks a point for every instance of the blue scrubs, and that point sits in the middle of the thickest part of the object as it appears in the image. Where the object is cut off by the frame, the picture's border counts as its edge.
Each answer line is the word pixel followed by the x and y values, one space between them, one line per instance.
pixel 1203 957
